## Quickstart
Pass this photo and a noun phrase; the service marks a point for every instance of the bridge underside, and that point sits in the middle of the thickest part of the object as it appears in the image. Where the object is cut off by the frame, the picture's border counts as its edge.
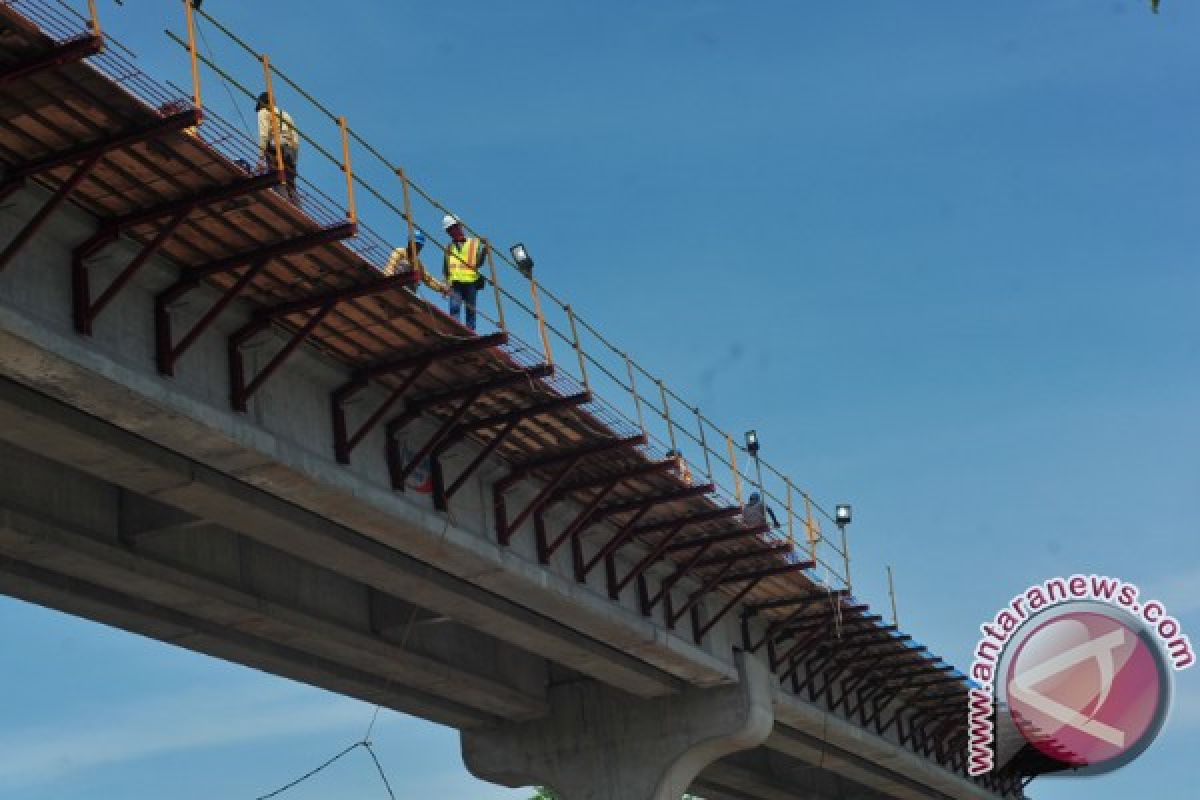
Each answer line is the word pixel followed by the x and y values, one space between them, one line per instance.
pixel 101 524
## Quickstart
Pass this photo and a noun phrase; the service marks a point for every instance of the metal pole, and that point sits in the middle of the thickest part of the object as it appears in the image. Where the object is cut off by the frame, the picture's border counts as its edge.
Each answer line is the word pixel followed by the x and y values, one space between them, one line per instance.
pixel 845 557
pixel 737 477
pixel 94 22
pixel 412 246
pixel 704 444
pixel 352 211
pixel 791 518
pixel 810 529
pixel 662 392
pixel 274 112
pixel 892 592
pixel 578 348
pixel 541 320
pixel 192 52
pixel 495 276
pixel 637 400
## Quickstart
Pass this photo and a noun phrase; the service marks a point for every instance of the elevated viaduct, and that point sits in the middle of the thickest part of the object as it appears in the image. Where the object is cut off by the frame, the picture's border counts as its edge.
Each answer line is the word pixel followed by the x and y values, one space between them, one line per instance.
pixel 223 426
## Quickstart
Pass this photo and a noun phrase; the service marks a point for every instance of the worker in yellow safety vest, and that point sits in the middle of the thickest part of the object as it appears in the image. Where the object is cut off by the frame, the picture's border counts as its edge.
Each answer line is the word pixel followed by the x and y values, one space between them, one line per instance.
pixel 402 260
pixel 464 257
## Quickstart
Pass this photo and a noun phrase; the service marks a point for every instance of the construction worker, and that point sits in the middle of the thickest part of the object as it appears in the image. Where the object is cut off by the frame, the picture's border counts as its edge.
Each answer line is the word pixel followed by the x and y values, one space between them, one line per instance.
pixel 758 513
pixel 289 141
pixel 681 467
pixel 402 261
pixel 464 257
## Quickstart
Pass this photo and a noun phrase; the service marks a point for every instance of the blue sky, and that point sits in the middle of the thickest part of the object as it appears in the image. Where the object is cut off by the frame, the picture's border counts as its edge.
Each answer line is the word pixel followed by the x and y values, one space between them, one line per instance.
pixel 941 258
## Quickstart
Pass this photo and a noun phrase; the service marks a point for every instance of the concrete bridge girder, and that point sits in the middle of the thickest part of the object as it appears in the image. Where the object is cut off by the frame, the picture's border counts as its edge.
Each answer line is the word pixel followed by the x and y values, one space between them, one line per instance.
pixel 263 479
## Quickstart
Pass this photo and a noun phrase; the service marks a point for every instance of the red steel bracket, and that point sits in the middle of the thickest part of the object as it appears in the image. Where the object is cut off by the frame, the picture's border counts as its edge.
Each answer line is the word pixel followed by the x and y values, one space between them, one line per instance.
pixel 504 528
pixel 656 500
pixel 415 365
pixel 623 534
pixel 723 577
pixel 401 469
pixel 103 145
pixel 640 471
pixel 68 52
pixel 48 208
pixel 85 156
pixel 510 420
pixel 463 397
pixel 169 352
pixel 85 310
pixel 318 306
pixel 673 527
pixel 699 630
pixel 443 493
pixel 576 526
pixel 718 538
pixel 787 602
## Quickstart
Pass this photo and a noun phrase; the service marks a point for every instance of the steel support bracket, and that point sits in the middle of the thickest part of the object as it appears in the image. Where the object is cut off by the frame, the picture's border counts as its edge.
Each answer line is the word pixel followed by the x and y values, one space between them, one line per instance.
pixel 169 352
pixel 318 306
pixel 68 52
pixel 414 365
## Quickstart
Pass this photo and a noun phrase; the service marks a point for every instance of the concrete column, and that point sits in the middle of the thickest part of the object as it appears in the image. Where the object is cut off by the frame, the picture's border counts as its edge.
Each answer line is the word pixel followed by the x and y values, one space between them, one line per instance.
pixel 602 744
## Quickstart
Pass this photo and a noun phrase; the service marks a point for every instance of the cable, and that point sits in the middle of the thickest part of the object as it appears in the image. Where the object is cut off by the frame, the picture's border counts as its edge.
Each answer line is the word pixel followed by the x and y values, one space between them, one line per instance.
pixel 232 100
pixel 308 774
pixel 379 768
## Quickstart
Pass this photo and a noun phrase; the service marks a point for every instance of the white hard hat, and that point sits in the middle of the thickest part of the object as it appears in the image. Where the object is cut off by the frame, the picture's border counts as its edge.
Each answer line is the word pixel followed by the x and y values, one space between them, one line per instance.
pixel 449 221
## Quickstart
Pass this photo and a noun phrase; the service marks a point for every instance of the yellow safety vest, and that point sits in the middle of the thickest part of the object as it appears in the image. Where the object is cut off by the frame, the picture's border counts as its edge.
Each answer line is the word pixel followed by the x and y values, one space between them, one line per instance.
pixel 462 261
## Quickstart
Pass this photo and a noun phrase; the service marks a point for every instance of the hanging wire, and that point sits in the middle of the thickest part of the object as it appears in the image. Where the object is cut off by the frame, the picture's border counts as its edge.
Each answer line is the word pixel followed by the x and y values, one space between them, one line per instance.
pixel 309 774
pixel 237 107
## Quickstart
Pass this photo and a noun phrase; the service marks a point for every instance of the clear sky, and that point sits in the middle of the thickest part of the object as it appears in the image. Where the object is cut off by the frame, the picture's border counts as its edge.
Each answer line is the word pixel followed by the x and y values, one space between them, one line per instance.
pixel 939 255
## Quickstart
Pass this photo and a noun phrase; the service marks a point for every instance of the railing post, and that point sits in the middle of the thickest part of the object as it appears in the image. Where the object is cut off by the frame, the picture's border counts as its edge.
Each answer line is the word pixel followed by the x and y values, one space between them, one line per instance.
pixel 845 557
pixel 408 219
pixel 578 348
pixel 495 278
pixel 190 13
pixel 662 392
pixel 892 593
pixel 704 444
pixel 790 516
pixel 274 111
pixel 811 531
pixel 352 209
pixel 541 320
pixel 737 477
pixel 637 400
pixel 94 20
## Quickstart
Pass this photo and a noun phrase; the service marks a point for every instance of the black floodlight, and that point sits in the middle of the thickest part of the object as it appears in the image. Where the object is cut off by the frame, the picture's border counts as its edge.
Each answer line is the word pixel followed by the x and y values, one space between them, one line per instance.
pixel 843 515
pixel 752 442
pixel 521 256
